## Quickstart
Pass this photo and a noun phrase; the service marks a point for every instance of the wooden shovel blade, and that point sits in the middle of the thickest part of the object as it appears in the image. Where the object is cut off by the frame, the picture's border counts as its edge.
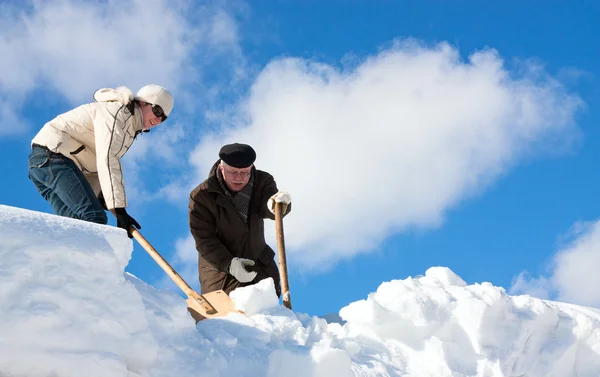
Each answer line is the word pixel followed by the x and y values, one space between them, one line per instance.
pixel 209 305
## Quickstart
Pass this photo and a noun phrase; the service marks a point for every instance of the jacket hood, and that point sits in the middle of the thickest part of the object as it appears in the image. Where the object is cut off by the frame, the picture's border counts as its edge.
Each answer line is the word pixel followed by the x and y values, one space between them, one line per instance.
pixel 121 94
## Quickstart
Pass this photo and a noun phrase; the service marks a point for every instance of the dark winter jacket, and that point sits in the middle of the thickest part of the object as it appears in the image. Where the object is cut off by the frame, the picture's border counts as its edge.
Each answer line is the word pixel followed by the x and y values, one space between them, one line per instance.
pixel 221 234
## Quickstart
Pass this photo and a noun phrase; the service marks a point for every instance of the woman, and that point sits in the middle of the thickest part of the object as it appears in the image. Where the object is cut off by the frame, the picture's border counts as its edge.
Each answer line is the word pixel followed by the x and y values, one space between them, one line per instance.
pixel 75 161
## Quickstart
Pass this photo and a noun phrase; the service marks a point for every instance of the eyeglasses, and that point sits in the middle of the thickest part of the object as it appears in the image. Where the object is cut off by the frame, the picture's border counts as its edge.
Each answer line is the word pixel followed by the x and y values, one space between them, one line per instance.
pixel 241 174
pixel 159 112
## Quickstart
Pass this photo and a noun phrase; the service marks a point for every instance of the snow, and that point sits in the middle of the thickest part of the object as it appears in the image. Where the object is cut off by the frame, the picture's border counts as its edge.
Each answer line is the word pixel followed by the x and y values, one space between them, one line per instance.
pixel 69 309
pixel 255 299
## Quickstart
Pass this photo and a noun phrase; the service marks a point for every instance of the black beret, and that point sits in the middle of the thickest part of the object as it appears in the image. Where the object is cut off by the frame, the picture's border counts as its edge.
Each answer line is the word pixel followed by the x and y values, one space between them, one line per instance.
pixel 237 155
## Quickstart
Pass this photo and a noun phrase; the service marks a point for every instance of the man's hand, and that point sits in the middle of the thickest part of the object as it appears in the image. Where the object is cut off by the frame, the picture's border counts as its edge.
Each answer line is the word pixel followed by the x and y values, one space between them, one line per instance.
pixel 237 268
pixel 125 221
pixel 281 197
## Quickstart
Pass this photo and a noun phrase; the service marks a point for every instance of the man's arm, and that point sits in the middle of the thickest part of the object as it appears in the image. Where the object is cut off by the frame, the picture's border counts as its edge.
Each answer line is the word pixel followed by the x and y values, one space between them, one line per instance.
pixel 269 190
pixel 204 230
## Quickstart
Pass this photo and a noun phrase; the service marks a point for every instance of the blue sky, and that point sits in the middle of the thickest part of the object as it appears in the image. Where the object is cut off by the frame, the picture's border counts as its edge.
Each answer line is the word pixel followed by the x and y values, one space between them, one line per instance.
pixel 409 134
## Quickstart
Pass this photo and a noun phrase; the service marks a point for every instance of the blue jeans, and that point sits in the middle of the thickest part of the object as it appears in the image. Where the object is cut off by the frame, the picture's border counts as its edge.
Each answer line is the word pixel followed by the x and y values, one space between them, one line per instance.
pixel 64 186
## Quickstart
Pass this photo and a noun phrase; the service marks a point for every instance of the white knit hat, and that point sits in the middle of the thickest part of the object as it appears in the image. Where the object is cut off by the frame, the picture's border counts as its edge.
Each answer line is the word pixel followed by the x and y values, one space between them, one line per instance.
pixel 156 95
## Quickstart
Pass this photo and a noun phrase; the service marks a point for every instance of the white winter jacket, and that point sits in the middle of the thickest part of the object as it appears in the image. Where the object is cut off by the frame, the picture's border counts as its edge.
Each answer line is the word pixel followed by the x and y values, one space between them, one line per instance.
pixel 95 136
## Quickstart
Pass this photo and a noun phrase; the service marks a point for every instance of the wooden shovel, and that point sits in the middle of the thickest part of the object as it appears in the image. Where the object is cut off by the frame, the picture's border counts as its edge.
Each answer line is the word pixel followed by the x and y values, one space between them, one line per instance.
pixel 285 288
pixel 209 305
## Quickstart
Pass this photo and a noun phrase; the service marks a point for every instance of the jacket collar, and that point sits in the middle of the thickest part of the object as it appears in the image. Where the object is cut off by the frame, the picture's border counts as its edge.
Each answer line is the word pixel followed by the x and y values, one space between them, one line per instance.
pixel 138 120
pixel 214 186
pixel 213 183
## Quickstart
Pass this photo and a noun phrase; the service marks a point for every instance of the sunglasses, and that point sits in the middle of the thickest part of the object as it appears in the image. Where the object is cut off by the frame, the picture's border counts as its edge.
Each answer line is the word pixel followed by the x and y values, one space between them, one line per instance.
pixel 159 112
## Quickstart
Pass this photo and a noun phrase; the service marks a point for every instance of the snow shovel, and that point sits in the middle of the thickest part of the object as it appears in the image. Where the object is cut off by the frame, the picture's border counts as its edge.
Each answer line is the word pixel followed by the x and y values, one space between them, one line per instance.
pixel 285 288
pixel 208 305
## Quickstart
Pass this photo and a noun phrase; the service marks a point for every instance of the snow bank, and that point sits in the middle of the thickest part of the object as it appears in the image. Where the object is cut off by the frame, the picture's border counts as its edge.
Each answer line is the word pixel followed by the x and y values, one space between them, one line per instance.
pixel 65 301
pixel 68 309
pixel 442 327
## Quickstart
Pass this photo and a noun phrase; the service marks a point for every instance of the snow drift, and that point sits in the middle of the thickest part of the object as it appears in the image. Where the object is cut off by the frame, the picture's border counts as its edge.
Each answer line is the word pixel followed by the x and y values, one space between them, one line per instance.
pixel 69 309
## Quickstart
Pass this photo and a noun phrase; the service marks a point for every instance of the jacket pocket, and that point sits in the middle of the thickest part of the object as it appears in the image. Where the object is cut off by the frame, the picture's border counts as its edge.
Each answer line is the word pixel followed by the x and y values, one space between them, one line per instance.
pixel 211 280
pixel 38 160
pixel 40 168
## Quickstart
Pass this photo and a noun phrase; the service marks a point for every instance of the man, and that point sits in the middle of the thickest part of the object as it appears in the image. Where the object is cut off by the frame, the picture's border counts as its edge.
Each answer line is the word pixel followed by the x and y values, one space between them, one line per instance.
pixel 226 215
pixel 75 161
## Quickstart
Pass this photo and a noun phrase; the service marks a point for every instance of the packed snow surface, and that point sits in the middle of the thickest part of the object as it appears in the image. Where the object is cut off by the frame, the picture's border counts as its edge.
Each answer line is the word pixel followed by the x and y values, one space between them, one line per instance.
pixel 69 309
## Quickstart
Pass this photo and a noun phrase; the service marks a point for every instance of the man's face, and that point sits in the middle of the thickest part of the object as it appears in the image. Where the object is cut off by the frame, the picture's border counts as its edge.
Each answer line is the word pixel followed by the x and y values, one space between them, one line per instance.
pixel 236 179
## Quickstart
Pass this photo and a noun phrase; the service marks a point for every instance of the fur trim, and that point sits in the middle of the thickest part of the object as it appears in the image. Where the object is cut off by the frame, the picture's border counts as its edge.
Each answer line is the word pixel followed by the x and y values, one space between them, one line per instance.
pixel 121 94
pixel 126 94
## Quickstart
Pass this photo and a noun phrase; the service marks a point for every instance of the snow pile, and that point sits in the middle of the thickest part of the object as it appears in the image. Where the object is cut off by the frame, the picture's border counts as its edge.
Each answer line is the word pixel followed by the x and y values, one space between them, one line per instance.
pixel 261 297
pixel 436 325
pixel 68 309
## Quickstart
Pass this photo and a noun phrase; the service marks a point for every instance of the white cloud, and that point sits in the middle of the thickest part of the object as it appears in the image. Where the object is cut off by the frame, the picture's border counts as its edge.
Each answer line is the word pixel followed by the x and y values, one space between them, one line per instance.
pixel 224 30
pixel 539 287
pixel 149 161
pixel 573 272
pixel 70 48
pixel 160 143
pixel 392 143
pixel 10 123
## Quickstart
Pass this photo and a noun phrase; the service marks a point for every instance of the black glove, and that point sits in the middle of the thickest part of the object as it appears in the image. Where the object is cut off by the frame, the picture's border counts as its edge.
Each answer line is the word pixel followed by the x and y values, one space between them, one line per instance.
pixel 102 201
pixel 125 221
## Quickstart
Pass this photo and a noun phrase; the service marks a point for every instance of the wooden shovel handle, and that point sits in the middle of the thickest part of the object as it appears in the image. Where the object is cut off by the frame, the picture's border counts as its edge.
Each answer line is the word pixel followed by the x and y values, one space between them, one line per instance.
pixel 285 288
pixel 171 272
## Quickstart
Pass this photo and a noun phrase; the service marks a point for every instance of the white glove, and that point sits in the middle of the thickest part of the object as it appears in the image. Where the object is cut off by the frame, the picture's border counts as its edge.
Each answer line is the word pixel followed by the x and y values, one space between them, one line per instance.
pixel 238 270
pixel 281 197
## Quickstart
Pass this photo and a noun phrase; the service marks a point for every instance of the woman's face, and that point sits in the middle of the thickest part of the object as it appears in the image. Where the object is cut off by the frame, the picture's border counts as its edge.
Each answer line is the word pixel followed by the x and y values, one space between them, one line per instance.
pixel 150 120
